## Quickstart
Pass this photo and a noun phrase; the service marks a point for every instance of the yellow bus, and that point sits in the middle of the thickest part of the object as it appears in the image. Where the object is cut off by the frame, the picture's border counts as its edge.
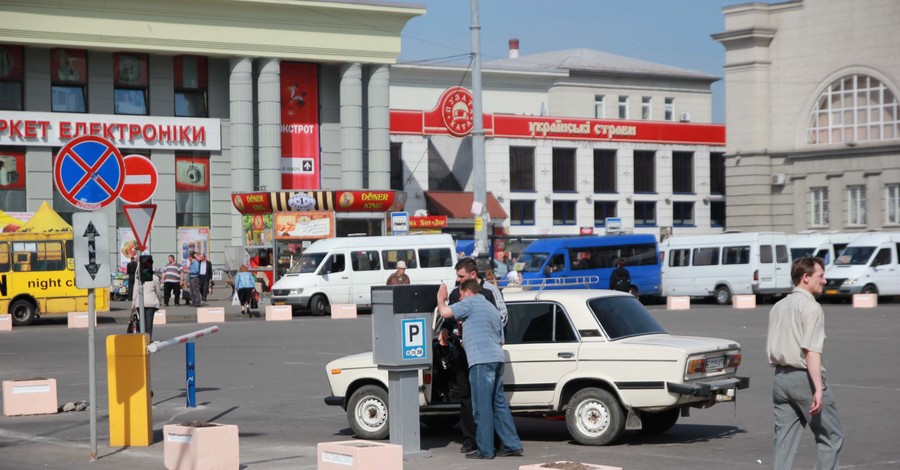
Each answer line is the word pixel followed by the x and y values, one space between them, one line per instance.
pixel 37 277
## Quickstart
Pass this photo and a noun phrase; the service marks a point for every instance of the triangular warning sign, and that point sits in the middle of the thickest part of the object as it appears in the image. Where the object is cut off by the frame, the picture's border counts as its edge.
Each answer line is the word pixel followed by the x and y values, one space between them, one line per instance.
pixel 140 217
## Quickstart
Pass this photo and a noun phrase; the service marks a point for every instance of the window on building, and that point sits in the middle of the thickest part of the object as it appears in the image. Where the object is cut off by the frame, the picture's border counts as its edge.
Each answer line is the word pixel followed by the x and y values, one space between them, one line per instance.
pixel 191 86
pixel 670 109
pixel 644 171
pixel 645 108
pixel 683 214
pixel 892 203
pixel 397 166
pixel 521 212
pixel 131 80
pixel 644 213
pixel 564 212
pixel 683 172
pixel 856 205
pixel 854 108
pixel 12 179
pixel 598 107
pixel 602 210
pixel 12 78
pixel 717 173
pixel 192 190
pixel 521 169
pixel 563 170
pixel 68 80
pixel 604 171
pixel 819 205
pixel 717 213
pixel 623 107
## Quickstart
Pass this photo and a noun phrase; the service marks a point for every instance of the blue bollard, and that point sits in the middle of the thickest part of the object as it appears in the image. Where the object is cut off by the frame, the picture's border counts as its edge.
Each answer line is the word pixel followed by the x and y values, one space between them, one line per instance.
pixel 191 389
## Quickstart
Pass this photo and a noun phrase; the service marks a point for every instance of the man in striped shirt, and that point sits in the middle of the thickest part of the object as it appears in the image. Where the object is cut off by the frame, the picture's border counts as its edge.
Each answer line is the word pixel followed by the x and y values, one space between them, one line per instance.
pixel 172 281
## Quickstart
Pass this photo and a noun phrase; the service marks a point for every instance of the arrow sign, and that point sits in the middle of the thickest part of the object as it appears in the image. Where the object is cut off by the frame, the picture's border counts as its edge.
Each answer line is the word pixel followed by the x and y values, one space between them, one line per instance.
pixel 140 217
pixel 91 247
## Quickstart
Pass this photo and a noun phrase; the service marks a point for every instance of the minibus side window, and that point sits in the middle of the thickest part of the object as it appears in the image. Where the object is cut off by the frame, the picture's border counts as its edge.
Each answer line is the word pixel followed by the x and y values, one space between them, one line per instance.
pixel 680 257
pixel 435 257
pixel 765 254
pixel 335 264
pixel 365 261
pixel 781 254
pixel 883 257
pixel 736 255
pixel 706 256
pixel 392 256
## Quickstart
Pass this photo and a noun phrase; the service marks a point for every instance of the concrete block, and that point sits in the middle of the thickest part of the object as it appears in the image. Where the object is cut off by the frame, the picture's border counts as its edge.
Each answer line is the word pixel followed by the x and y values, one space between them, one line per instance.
pixel 678 303
pixel 279 313
pixel 210 314
pixel 159 318
pixel 215 447
pixel 359 455
pixel 343 311
pixel 5 322
pixel 865 300
pixel 567 464
pixel 29 397
pixel 80 319
pixel 743 301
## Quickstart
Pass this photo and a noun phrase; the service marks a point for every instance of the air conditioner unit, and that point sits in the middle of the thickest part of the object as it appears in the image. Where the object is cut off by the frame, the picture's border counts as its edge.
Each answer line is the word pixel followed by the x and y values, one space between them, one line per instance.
pixel 778 179
pixel 685 117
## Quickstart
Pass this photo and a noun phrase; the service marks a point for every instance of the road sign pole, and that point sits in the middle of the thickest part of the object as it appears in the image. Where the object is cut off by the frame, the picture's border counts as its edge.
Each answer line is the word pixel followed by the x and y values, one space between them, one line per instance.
pixel 140 291
pixel 92 371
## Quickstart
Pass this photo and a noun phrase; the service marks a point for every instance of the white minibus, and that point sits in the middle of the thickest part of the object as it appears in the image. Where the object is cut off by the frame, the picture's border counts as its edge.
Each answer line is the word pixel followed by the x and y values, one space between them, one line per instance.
pixel 343 270
pixel 868 265
pixel 821 245
pixel 725 264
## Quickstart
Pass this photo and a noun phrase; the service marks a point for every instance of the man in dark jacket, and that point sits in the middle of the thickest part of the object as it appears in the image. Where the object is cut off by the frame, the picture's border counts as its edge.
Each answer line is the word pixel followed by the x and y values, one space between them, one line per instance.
pixel 620 279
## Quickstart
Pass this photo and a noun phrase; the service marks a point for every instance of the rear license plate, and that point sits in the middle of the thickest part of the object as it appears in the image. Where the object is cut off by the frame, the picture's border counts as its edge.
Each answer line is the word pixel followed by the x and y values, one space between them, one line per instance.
pixel 715 363
pixel 831 291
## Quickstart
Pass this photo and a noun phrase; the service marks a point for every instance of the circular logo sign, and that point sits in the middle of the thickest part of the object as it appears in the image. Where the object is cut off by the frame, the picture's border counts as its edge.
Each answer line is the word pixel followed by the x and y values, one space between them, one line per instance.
pixel 457 111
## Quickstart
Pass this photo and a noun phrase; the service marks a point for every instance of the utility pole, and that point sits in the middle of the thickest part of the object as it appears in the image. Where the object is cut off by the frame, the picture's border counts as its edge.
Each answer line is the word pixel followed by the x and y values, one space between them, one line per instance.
pixel 478 165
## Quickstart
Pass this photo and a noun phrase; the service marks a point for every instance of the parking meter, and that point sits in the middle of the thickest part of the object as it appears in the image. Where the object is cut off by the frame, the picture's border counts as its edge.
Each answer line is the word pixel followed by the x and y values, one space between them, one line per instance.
pixel 401 344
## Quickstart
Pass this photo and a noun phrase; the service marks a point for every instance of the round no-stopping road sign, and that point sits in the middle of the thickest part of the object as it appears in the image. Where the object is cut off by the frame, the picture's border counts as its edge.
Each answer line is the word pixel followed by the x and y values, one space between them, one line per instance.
pixel 89 172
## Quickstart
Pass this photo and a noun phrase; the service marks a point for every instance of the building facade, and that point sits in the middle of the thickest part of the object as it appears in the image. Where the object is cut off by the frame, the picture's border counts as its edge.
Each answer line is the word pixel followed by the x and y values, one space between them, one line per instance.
pixel 573 137
pixel 222 96
pixel 813 116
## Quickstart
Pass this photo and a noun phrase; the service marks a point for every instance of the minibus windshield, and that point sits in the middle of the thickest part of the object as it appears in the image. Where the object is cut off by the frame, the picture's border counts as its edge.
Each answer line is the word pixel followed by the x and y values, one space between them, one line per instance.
pixel 532 262
pixel 308 263
pixel 855 255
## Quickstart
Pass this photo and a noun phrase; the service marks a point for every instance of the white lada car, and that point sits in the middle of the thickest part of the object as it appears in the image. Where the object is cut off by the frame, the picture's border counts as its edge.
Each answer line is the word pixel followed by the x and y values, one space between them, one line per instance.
pixel 596 356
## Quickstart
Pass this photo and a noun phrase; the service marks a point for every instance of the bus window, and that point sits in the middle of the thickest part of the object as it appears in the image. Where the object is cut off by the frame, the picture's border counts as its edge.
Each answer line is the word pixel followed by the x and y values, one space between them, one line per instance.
pixel 781 254
pixel 736 255
pixel 4 257
pixel 680 257
pixel 765 254
pixel 50 256
pixel 391 257
pixel 706 256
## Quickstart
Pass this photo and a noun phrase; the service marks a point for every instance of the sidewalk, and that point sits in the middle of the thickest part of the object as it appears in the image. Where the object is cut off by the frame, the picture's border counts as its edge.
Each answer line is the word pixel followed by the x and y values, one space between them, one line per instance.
pixel 119 310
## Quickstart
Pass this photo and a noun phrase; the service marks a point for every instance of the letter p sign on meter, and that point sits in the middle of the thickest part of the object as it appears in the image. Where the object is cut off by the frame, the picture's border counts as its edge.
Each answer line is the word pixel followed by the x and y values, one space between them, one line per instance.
pixel 414 344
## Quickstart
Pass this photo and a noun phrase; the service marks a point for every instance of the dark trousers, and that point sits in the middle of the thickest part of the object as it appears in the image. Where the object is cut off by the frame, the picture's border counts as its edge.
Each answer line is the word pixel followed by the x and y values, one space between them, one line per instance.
pixel 466 418
pixel 204 287
pixel 169 288
pixel 195 291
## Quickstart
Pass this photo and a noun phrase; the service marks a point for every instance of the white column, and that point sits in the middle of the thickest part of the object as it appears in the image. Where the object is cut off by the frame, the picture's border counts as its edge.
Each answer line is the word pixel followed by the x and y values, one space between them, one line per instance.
pixel 269 109
pixel 351 125
pixel 379 127
pixel 240 87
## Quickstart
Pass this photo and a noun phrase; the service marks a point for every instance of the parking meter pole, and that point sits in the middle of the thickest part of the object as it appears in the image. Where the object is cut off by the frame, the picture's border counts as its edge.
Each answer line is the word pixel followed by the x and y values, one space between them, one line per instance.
pixel 403 415
pixel 189 371
pixel 92 371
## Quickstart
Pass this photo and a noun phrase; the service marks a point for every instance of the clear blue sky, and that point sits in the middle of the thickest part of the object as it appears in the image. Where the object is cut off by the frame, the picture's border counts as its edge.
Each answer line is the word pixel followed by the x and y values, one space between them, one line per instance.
pixel 670 32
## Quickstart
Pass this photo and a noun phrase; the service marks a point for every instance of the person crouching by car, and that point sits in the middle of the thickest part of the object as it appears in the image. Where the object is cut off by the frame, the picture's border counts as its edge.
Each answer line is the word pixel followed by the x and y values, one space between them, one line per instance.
pixel 152 290
pixel 243 283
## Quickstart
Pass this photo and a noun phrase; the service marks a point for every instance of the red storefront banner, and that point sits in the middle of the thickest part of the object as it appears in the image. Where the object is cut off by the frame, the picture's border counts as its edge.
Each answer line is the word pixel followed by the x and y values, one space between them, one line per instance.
pixel 427 222
pixel 339 201
pixel 299 126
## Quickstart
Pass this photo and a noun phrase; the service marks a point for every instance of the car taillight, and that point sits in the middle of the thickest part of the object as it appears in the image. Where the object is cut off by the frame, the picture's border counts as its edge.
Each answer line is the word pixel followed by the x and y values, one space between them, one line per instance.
pixel 426 377
pixel 697 366
pixel 734 360
pixel 756 275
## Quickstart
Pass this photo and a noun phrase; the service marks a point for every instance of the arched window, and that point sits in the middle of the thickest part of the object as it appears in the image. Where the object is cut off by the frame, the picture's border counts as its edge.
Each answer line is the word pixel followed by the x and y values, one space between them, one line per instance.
pixel 854 108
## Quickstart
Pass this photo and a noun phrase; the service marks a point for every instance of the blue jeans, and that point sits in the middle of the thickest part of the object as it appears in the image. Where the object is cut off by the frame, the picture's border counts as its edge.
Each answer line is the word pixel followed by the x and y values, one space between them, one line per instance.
pixel 491 410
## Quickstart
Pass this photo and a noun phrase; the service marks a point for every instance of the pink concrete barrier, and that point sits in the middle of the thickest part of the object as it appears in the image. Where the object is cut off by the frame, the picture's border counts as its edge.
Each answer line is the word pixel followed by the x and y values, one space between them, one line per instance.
pixel 80 319
pixel 865 300
pixel 743 301
pixel 566 464
pixel 210 314
pixel 5 322
pixel 213 447
pixel 343 311
pixel 279 313
pixel 359 455
pixel 159 318
pixel 29 397
pixel 678 303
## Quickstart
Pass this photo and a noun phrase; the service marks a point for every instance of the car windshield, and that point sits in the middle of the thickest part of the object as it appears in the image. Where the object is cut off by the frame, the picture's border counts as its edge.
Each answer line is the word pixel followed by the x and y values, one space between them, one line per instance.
pixel 308 263
pixel 532 262
pixel 623 317
pixel 802 252
pixel 855 255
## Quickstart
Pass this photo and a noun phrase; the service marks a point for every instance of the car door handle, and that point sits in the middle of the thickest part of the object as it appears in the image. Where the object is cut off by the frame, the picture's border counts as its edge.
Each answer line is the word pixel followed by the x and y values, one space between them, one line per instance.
pixel 566 355
pixel 345 277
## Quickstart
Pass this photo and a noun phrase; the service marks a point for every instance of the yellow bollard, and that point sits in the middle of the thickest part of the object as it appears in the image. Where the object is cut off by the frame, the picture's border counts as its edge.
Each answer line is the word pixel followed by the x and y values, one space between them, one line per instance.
pixel 128 369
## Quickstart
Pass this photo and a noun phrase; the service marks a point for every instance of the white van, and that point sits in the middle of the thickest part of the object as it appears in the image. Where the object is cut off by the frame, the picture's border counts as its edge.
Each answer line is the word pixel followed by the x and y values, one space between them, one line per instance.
pixel 343 270
pixel 821 245
pixel 725 264
pixel 869 264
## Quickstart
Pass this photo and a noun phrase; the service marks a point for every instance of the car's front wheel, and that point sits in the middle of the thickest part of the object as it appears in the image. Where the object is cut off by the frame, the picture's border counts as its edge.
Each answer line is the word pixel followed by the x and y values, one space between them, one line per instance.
pixel 658 423
pixel 318 305
pixel 367 412
pixel 594 417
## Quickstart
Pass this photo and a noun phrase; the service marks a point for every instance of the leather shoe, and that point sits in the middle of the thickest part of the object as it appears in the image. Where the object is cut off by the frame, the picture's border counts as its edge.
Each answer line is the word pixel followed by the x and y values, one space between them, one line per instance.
pixel 467 447
pixel 478 455
pixel 511 453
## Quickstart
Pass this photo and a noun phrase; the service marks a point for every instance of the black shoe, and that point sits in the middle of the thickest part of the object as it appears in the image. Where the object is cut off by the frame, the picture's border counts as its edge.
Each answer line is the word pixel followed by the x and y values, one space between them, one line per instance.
pixel 511 453
pixel 467 447
pixel 478 455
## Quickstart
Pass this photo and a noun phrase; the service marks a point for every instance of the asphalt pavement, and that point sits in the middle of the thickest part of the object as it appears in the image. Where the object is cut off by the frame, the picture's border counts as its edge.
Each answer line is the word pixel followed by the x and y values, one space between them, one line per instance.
pixel 269 379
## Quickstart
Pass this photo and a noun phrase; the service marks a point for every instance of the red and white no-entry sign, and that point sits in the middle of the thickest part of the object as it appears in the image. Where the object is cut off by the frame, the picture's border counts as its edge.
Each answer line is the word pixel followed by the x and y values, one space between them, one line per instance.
pixel 141 179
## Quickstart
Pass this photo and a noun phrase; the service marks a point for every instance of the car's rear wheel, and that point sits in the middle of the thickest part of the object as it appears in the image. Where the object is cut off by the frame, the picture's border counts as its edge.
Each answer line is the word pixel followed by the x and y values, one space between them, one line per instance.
pixel 594 417
pixel 367 412
pixel 658 423
pixel 723 295
pixel 23 312
pixel 318 305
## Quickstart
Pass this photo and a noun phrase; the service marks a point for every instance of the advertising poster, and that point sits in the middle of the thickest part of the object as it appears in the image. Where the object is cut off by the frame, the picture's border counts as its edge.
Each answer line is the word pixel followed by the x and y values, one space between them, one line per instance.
pixel 304 225
pixel 192 240
pixel 12 170
pixel 299 126
pixel 127 246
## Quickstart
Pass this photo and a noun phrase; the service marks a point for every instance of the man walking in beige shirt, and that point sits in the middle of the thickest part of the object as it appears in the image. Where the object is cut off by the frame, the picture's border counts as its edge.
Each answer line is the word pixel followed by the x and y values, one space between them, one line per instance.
pixel 800 396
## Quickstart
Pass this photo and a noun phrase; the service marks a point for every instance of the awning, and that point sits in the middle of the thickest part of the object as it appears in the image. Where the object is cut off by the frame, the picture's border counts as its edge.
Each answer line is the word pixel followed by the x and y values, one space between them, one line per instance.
pixel 458 204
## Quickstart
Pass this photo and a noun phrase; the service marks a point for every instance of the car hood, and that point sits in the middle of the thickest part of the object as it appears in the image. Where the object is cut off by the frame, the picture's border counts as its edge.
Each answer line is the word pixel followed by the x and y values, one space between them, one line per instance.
pixel 688 344
pixel 356 361
pixel 294 281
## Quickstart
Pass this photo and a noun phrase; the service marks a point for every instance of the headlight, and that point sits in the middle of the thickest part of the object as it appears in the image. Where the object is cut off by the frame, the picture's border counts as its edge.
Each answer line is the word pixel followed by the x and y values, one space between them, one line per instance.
pixel 295 292
pixel 850 282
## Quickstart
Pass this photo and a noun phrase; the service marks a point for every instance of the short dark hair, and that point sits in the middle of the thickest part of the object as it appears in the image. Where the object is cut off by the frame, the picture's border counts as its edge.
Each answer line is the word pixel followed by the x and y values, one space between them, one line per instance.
pixel 470 285
pixel 804 265
pixel 468 264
